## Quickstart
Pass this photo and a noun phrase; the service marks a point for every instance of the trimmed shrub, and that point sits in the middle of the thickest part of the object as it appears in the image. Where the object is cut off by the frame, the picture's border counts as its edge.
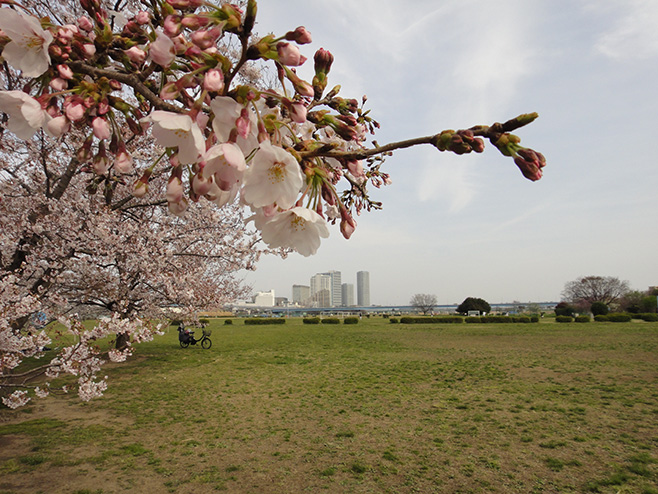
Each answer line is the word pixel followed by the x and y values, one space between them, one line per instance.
pixel 228 321
pixel 473 320
pixel 521 319
pixel 563 319
pixel 311 320
pixel 649 317
pixel 582 319
pixel 619 317
pixel 331 320
pixel 431 320
pixel 262 321
pixel 204 321
pixel 534 319
pixel 394 320
pixel 351 320
pixel 599 309
pixel 601 318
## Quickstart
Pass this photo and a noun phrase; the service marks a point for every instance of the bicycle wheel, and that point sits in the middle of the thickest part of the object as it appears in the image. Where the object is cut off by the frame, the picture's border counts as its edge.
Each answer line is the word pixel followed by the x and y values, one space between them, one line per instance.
pixel 184 344
pixel 206 343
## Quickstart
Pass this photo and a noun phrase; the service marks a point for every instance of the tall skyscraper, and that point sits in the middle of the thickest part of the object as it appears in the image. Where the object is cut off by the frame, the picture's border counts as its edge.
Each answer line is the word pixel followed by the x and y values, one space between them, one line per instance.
pixel 336 288
pixel 363 289
pixel 348 295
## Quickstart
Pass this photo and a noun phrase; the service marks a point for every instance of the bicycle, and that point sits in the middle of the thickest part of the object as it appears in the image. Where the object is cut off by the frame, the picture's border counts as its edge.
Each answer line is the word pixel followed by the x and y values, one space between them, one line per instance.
pixel 186 338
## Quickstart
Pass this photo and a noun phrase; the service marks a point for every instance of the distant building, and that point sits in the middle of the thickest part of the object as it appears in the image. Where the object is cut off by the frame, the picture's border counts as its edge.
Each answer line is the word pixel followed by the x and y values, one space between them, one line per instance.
pixel 321 282
pixel 363 289
pixel 301 294
pixel 348 295
pixel 264 299
pixel 336 288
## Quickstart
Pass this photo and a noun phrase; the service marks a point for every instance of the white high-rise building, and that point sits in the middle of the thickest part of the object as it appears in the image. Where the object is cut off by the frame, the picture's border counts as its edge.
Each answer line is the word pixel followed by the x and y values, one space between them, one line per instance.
pixel 319 283
pixel 336 288
pixel 363 289
pixel 348 295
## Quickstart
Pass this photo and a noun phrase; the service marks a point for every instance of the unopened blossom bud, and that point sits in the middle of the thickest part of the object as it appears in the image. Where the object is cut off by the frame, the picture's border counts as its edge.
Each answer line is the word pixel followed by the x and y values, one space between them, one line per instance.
pixel 140 187
pixel 172 25
pixel 347 223
pixel 289 54
pixel 180 44
pixel 65 71
pixel 530 163
pixel 123 162
pixel 174 189
pixel 101 163
pixel 88 50
pixel 194 22
pixel 323 60
pixel 243 123
pixel 298 112
pixel 142 17
pixel 134 127
pixel 85 24
pixel 300 36
pixel 74 108
pixel 101 128
pixel 136 55
pixel 178 208
pixel 58 84
pixel 57 126
pixel 213 80
pixel 185 4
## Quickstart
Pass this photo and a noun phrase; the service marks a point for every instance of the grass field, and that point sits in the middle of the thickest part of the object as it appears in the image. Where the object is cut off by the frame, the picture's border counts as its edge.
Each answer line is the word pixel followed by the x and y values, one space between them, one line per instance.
pixel 373 407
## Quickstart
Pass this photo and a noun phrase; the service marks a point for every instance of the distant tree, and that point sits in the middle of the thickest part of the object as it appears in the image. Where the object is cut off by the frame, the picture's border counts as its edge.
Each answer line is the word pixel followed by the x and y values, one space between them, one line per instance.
pixel 637 302
pixel 606 289
pixel 424 302
pixel 564 309
pixel 472 303
pixel 599 309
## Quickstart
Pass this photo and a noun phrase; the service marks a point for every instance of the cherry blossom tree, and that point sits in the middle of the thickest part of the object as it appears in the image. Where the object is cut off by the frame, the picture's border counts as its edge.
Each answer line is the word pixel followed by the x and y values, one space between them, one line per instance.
pixel 98 79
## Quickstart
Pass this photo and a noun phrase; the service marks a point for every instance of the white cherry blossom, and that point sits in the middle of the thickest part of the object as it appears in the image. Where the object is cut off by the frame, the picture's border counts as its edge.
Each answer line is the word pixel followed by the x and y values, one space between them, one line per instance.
pixel 28 49
pixel 176 130
pixel 25 113
pixel 299 228
pixel 273 177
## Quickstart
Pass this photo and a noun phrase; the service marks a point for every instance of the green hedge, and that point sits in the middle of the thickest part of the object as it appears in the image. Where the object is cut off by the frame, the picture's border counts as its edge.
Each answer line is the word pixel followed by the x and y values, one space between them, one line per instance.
pixel 649 317
pixel 501 319
pixel 311 320
pixel 331 320
pixel 582 319
pixel 431 320
pixel 563 319
pixel 394 320
pixel 258 321
pixel 351 320
pixel 228 321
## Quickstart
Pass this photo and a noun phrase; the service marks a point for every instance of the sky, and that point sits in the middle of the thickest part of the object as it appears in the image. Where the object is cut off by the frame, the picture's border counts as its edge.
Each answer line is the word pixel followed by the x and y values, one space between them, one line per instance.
pixel 473 226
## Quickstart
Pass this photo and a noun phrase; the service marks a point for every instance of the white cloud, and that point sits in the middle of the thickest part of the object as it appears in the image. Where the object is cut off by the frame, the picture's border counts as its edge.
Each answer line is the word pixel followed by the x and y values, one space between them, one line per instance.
pixel 634 35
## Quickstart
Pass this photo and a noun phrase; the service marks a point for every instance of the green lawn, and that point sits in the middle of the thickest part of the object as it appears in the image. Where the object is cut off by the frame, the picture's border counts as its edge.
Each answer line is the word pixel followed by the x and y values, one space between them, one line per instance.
pixel 372 407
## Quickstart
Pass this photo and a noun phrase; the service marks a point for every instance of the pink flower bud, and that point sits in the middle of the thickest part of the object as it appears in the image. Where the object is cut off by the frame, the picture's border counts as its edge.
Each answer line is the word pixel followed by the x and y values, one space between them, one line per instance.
pixel 298 112
pixel 101 128
pixel 194 22
pixel 174 190
pixel 74 108
pixel 85 24
pixel 65 71
pixel 123 162
pixel 243 123
pixel 58 126
pixel 289 54
pixel 213 80
pixel 136 55
pixel 162 51
pixel 530 163
pixel 180 44
pixel 172 25
pixel 89 50
pixel 142 17
pixel 59 84
pixel 356 169
pixel 202 38
pixel 300 36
